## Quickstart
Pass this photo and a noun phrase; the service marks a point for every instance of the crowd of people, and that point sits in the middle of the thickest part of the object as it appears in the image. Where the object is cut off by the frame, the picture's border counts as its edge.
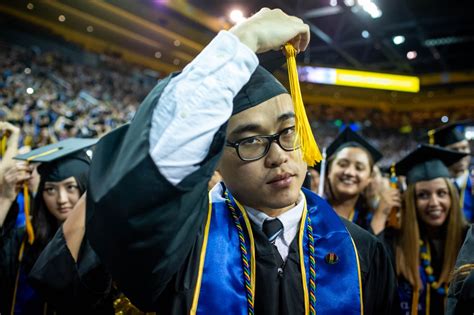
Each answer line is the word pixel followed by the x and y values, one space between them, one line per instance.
pixel 182 207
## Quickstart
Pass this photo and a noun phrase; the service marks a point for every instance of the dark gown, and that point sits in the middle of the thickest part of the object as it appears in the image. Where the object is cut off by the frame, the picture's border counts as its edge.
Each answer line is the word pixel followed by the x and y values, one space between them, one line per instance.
pixel 149 232
pixel 461 291
pixel 82 287
pixel 53 283
pixel 437 301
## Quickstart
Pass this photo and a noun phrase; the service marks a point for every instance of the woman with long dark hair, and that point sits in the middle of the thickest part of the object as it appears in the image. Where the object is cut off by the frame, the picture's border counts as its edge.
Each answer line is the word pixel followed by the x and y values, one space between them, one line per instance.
pixel 424 249
pixel 350 165
pixel 64 173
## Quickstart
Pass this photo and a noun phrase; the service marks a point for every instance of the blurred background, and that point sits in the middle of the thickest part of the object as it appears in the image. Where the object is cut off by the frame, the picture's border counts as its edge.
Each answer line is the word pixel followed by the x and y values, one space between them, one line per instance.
pixel 81 68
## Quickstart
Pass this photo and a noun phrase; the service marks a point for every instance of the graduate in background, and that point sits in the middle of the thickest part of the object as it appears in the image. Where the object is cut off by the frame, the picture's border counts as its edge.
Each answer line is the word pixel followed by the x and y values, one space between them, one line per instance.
pixel 63 172
pixel 450 137
pixel 432 230
pixel 350 169
pixel 256 243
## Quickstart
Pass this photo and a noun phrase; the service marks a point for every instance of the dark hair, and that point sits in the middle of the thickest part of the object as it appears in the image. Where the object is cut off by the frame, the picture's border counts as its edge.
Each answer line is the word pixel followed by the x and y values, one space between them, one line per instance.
pixel 362 204
pixel 44 223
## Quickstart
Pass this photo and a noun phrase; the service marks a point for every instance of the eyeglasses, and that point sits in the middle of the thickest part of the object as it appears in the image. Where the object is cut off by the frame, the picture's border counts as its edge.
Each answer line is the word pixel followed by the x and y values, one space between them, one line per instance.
pixel 256 147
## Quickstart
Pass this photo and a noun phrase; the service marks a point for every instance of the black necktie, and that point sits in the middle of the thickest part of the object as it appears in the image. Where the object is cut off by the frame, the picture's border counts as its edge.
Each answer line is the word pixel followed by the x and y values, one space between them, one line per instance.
pixel 272 228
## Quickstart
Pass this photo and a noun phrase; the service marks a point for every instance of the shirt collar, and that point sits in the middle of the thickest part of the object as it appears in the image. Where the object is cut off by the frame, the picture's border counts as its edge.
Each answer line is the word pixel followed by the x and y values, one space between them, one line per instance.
pixel 289 219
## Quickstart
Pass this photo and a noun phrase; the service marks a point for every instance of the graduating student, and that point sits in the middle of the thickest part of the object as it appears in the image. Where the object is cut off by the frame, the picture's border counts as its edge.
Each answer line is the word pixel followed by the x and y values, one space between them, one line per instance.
pixel 350 169
pixel 256 243
pixel 64 169
pixel 432 230
pixel 450 137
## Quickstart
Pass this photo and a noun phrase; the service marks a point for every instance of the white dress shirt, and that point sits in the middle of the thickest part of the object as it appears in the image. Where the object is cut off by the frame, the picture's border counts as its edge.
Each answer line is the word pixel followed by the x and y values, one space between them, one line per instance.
pixel 290 220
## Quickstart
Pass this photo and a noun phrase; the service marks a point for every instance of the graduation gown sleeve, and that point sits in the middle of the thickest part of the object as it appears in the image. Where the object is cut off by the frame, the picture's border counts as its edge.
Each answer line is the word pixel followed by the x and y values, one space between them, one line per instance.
pixel 72 287
pixel 141 221
pixel 461 290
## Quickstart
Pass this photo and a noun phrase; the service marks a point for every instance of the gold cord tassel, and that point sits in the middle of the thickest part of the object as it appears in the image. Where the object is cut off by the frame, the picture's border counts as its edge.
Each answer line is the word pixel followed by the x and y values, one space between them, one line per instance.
pixel 431 139
pixel 29 226
pixel 309 148
pixel 4 145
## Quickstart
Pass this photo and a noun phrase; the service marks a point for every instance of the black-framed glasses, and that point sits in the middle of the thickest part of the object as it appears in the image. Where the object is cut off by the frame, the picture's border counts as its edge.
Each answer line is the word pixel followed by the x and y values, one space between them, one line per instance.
pixel 256 147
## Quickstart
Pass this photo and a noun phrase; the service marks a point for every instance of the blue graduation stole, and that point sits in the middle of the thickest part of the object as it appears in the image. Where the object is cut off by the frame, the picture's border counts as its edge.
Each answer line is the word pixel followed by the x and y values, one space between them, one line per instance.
pixel 221 287
pixel 466 200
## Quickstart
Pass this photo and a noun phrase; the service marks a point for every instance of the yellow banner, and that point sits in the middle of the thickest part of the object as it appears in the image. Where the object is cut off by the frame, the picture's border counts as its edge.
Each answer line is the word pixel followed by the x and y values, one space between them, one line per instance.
pixel 362 79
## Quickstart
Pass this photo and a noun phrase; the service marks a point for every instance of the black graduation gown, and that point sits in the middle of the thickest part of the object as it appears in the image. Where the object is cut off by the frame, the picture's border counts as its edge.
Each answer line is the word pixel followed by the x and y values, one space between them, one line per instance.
pixel 461 291
pixel 437 301
pixel 149 232
pixel 61 286
pixel 72 288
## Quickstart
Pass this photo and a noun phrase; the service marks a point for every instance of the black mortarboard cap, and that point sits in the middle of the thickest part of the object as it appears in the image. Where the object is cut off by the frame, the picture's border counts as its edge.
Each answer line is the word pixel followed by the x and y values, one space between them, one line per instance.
pixel 447 134
pixel 62 160
pixel 58 150
pixel 262 85
pixel 349 138
pixel 427 162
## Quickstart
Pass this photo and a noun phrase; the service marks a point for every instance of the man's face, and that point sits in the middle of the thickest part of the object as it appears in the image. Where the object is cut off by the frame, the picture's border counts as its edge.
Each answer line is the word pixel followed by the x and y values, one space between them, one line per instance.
pixel 272 183
pixel 463 164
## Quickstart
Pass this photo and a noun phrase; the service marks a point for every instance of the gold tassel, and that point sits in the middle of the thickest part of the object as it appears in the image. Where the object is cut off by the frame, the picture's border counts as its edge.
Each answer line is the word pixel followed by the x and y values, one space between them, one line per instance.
pixel 431 138
pixel 29 226
pixel 4 144
pixel 309 148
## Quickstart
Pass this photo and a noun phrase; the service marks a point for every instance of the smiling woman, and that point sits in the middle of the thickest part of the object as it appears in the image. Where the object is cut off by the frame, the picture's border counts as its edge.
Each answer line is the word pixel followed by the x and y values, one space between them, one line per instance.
pixel 432 230
pixel 349 171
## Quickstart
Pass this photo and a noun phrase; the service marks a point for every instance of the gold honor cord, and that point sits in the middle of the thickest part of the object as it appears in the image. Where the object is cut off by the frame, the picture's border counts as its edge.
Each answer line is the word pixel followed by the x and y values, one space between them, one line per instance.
pixel 309 148
pixel 431 139
pixel 4 145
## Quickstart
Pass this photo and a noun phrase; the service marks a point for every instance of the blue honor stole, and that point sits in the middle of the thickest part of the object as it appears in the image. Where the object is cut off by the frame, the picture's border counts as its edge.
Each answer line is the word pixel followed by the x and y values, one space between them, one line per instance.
pixel 466 199
pixel 226 277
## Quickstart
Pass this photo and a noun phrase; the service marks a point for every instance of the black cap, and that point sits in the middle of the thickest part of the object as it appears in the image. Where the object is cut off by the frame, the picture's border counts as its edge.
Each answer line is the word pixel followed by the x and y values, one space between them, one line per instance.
pixel 58 150
pixel 447 134
pixel 61 160
pixel 348 138
pixel 261 87
pixel 427 162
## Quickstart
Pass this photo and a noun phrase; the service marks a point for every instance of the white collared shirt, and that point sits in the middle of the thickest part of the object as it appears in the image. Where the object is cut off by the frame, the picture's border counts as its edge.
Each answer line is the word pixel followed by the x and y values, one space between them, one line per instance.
pixel 290 220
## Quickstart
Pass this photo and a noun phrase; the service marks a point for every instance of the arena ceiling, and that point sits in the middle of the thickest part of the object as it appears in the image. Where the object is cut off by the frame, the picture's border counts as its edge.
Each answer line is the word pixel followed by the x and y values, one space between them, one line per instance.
pixel 166 34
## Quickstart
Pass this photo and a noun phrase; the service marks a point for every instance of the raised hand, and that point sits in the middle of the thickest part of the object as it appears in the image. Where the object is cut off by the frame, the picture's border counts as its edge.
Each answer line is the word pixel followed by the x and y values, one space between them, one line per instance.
pixel 271 29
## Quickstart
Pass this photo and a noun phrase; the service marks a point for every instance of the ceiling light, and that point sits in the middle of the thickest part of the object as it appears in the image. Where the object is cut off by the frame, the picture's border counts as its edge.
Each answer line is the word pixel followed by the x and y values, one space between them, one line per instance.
pixel 30 6
pixel 349 3
pixel 157 55
pixel 333 3
pixel 176 62
pixel 30 90
pixel 365 34
pixel 444 119
pixel 411 55
pixel 61 18
pixel 177 43
pixel 398 40
pixel 90 28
